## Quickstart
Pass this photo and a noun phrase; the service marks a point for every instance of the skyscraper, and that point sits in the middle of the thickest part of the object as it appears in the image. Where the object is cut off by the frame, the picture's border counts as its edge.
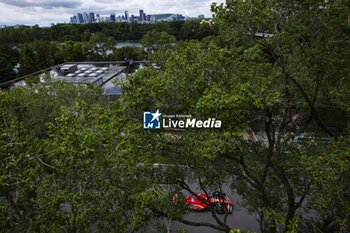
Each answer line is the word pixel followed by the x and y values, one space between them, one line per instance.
pixel 142 16
pixel 80 18
pixel 126 16
pixel 86 17
pixel 112 17
pixel 92 17
pixel 73 20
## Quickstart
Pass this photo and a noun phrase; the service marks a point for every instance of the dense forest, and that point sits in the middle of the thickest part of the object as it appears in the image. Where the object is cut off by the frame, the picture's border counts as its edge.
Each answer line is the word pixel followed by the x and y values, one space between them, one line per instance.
pixel 72 161
pixel 36 48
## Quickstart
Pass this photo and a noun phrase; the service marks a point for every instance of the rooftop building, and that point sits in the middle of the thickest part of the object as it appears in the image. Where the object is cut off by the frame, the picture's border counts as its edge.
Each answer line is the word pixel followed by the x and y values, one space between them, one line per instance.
pixel 166 17
pixel 98 74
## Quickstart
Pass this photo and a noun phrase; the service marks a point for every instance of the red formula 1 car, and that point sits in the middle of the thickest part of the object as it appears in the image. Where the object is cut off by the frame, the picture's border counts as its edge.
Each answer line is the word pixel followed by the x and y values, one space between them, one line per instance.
pixel 201 202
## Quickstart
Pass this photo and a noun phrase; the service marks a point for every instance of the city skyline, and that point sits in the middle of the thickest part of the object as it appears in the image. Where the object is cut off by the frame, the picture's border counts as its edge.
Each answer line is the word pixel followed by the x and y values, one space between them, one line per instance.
pixel 44 13
pixel 141 17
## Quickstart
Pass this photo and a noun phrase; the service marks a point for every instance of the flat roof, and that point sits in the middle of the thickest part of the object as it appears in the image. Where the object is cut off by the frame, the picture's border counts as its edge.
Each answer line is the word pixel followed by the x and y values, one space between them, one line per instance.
pixel 89 73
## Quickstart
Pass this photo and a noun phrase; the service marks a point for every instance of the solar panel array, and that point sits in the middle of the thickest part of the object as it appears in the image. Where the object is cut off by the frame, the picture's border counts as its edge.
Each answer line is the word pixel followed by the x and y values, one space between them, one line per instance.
pixel 87 72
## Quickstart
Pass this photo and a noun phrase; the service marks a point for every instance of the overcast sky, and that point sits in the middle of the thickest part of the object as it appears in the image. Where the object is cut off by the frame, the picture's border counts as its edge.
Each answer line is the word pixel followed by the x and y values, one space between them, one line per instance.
pixel 45 12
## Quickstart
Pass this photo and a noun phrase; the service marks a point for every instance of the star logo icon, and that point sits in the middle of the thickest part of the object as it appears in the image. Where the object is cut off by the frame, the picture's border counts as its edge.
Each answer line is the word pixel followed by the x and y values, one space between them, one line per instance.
pixel 156 115
pixel 151 120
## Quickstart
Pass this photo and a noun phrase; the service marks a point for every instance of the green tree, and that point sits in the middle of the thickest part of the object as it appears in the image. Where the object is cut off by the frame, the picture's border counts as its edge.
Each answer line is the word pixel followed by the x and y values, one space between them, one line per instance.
pixel 6 70
pixel 38 55
pixel 154 40
pixel 65 162
pixel 195 30
pixel 74 51
pixel 100 47
pixel 267 85
pixel 128 52
pixel 328 168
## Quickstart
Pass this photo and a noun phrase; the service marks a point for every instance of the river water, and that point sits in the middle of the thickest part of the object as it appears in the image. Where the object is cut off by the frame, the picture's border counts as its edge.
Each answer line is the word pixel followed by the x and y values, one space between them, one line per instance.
pixel 122 44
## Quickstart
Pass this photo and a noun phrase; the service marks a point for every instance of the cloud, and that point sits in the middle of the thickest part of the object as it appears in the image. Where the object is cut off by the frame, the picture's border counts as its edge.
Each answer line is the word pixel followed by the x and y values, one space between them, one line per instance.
pixel 42 4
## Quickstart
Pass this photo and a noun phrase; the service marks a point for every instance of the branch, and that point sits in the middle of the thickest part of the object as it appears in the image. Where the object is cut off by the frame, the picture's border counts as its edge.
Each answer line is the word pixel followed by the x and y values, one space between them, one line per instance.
pixel 249 178
pixel 280 60
pixel 186 187
pixel 204 224
pixel 298 204
pixel 47 165
pixel 271 139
